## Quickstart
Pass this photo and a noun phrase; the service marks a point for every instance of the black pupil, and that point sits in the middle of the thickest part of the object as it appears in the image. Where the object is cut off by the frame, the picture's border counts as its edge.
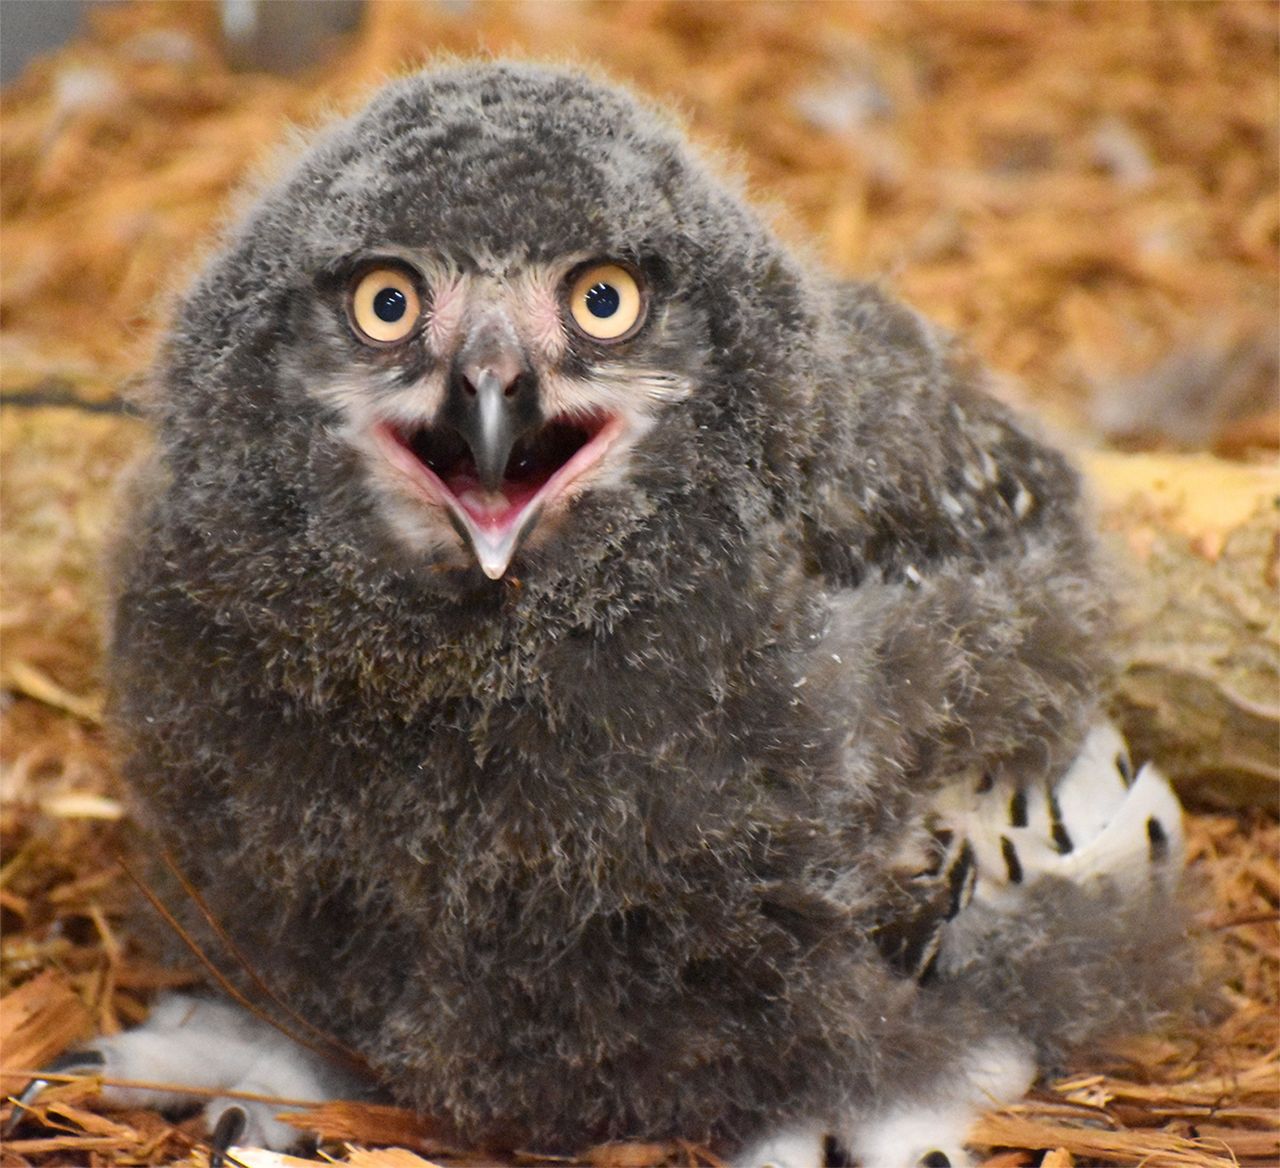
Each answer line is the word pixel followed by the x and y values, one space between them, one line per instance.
pixel 602 300
pixel 389 304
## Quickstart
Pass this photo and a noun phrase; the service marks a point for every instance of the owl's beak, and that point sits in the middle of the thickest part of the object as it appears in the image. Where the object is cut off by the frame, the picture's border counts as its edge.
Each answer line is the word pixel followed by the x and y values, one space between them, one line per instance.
pixel 492 403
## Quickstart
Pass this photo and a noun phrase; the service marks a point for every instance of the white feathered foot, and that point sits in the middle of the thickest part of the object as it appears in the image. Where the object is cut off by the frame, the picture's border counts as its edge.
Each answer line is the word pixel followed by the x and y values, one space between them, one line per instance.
pixel 212 1046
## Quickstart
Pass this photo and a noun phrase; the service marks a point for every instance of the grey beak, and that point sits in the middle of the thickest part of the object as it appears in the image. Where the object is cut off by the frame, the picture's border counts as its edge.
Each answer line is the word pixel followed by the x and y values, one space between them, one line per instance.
pixel 492 402
pixel 491 433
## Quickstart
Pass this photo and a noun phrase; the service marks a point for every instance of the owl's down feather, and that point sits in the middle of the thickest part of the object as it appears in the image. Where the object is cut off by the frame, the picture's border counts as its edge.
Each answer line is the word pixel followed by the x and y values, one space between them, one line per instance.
pixel 618 679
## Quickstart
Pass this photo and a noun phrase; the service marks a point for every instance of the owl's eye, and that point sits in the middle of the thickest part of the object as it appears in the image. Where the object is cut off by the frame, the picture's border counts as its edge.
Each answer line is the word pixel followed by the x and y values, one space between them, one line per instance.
pixel 384 306
pixel 606 302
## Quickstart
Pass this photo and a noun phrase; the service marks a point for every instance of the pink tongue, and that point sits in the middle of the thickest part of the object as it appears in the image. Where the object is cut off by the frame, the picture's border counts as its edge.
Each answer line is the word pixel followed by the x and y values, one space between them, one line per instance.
pixel 495 513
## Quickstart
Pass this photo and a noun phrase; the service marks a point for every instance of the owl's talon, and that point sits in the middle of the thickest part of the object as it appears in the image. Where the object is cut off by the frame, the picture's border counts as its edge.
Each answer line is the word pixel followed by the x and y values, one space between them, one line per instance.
pixel 80 1059
pixel 229 1128
pixel 65 1063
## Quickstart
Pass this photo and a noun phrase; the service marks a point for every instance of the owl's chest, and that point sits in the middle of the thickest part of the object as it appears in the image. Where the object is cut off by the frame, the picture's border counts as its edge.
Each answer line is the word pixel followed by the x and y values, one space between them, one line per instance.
pixel 523 807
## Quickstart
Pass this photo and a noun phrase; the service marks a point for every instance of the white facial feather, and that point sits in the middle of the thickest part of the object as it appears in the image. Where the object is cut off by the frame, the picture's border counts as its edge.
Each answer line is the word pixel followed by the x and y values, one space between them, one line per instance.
pixel 616 387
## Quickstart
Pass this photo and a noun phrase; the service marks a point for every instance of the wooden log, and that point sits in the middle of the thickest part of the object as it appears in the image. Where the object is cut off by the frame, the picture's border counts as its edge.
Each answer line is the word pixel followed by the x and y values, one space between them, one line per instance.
pixel 1199 543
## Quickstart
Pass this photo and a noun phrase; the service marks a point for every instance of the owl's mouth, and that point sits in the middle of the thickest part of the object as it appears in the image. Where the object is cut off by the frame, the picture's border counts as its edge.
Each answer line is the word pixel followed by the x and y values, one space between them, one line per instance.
pixel 542 467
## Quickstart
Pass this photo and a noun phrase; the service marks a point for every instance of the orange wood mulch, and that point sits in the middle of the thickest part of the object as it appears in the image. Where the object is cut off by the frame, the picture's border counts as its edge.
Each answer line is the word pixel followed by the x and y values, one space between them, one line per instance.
pixel 1087 191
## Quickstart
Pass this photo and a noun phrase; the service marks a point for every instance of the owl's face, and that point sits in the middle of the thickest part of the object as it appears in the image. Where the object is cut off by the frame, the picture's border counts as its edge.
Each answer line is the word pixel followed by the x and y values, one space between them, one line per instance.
pixel 485 394
pixel 496 293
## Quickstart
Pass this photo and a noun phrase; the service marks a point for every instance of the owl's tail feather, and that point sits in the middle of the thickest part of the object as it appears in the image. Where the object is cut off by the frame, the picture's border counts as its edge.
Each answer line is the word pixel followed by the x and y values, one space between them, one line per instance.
pixel 1101 837
pixel 1073 921
pixel 1100 822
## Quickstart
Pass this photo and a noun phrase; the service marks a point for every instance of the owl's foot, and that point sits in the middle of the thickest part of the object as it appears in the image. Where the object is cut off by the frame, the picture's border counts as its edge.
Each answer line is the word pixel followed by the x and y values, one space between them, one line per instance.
pixel 931 1133
pixel 194 1043
pixel 921 1133
pixel 913 1140
pixel 891 1146
pixel 796 1147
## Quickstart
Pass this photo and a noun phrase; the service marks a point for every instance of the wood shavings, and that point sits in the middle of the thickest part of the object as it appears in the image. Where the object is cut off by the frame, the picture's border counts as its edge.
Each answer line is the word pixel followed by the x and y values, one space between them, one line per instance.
pixel 262 1158
pixel 30 682
pixel 386 1158
pixel 40 1019
pixel 630 1155
pixel 1156 1149
pixel 1087 192
pixel 367 1123
pixel 83 805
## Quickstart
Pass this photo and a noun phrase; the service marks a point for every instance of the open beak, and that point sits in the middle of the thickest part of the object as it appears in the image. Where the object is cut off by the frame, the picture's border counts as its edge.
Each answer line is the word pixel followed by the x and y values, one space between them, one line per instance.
pixel 490 457
pixel 492 401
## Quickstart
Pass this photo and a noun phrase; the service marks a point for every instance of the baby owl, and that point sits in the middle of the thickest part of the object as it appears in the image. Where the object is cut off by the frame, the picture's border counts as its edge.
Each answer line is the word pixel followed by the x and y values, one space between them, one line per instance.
pixel 616 679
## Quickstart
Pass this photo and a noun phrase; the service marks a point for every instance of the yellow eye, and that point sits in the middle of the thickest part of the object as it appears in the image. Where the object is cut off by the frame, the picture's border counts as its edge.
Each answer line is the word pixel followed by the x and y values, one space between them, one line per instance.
pixel 384 305
pixel 606 302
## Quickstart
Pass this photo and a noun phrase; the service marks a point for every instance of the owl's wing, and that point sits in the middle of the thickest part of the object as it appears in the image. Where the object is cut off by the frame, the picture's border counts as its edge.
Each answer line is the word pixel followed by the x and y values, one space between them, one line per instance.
pixel 917 466
pixel 1101 825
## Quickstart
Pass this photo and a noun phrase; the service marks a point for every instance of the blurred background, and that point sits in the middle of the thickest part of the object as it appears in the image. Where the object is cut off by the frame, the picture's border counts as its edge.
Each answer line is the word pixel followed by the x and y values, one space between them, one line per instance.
pixel 1086 191
pixel 1087 194
pixel 269 34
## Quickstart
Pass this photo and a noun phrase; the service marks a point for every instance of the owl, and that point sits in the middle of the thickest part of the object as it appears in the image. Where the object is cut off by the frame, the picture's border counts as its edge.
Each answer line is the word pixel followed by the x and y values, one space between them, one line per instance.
pixel 601 677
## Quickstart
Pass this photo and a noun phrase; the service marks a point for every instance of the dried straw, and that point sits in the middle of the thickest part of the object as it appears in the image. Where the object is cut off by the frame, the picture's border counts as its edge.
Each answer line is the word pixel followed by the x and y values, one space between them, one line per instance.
pixel 1084 190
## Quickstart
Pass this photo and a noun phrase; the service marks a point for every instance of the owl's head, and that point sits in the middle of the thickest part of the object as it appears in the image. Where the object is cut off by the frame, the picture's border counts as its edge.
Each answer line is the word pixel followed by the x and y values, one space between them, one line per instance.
pixel 502 312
